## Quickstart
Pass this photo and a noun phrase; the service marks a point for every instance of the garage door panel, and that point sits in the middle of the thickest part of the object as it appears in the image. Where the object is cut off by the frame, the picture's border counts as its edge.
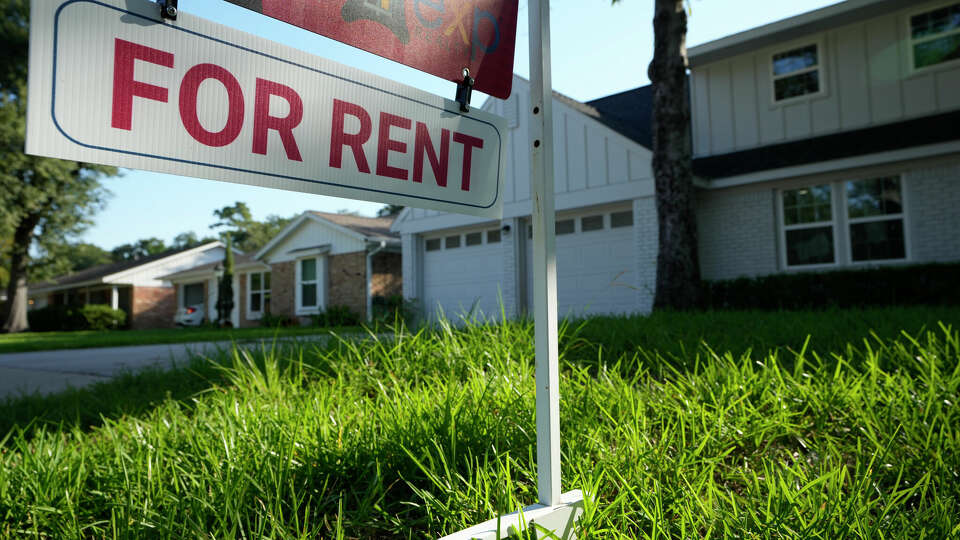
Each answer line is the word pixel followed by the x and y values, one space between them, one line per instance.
pixel 464 280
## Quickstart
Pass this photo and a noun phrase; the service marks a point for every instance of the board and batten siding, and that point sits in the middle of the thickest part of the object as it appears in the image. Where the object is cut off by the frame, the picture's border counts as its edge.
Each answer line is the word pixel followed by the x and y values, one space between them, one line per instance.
pixel 592 164
pixel 867 77
pixel 312 234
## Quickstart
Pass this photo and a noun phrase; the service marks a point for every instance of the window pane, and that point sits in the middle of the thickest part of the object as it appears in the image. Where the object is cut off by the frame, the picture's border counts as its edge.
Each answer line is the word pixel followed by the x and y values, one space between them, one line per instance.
pixel 795 60
pixel 255 302
pixel 807 205
pixel 453 242
pixel 493 236
pixel 877 240
pixel 308 295
pixel 621 219
pixel 474 238
pixel 255 282
pixel 936 51
pixel 874 197
pixel 935 22
pixel 433 244
pixel 192 294
pixel 266 281
pixel 564 227
pixel 810 246
pixel 308 270
pixel 797 85
pixel 591 223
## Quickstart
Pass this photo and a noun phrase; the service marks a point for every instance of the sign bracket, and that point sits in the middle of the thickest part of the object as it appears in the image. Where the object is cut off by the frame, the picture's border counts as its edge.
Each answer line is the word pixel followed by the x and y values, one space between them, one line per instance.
pixel 465 91
pixel 168 9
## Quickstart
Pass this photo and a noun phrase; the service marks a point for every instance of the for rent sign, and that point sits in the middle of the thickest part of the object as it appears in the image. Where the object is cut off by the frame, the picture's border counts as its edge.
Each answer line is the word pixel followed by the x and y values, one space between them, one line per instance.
pixel 111 83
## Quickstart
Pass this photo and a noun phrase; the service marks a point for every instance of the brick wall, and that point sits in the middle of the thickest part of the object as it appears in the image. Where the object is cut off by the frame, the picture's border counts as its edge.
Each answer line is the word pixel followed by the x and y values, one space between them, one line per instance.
pixel 736 232
pixel 645 247
pixel 283 289
pixel 347 281
pixel 153 307
pixel 387 277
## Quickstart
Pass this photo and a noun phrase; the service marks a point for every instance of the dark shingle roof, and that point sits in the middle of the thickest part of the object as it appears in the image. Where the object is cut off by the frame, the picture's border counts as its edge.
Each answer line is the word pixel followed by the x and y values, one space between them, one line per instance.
pixel 373 228
pixel 629 113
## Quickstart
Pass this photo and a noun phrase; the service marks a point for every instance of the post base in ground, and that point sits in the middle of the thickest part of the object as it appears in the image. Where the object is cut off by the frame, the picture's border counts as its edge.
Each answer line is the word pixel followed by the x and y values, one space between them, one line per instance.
pixel 559 520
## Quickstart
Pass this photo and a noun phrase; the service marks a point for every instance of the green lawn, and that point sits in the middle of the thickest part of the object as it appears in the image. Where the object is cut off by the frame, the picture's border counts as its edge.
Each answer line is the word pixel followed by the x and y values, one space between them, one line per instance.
pixel 699 425
pixel 44 341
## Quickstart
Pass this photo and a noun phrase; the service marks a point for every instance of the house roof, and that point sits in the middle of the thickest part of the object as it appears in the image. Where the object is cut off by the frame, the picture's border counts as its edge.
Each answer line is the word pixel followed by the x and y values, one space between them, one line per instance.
pixel 100 273
pixel 791 28
pixel 370 228
pixel 240 262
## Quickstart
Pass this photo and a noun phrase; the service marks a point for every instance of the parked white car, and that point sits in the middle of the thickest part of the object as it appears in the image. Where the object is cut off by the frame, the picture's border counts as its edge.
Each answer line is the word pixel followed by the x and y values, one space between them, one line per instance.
pixel 189 315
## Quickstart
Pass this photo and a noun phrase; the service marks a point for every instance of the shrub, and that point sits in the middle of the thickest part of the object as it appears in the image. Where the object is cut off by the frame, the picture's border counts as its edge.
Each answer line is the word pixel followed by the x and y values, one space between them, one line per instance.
pixel 274 321
pixel 56 319
pixel 387 309
pixel 928 284
pixel 102 317
pixel 336 316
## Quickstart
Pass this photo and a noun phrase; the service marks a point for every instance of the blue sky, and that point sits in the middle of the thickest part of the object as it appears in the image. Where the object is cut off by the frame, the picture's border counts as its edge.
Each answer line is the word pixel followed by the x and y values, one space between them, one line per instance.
pixel 597 50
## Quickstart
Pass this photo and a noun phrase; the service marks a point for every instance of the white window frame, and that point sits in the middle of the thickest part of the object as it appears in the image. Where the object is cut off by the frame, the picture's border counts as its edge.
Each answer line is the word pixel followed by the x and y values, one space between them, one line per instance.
pixel 815 225
pixel 902 216
pixel 840 224
pixel 820 67
pixel 251 314
pixel 911 42
pixel 320 281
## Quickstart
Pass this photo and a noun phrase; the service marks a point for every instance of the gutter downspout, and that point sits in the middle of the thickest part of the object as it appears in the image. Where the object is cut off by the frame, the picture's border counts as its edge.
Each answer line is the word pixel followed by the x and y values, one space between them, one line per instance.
pixel 370 254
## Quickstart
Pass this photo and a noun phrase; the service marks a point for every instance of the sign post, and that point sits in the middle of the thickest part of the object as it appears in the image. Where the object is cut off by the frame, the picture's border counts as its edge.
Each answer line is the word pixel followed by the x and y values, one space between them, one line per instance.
pixel 556 512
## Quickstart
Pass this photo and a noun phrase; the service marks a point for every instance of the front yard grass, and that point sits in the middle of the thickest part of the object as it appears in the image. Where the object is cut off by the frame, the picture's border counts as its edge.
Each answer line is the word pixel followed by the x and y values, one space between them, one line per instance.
pixel 45 341
pixel 839 424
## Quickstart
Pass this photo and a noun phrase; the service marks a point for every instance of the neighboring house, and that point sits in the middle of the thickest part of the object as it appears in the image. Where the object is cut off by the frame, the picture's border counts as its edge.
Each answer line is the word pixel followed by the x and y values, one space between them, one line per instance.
pixel 319 260
pixel 138 287
pixel 827 140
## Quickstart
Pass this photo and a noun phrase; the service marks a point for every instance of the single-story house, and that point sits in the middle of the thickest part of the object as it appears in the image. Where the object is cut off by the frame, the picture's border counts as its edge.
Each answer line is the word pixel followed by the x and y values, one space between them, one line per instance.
pixel 823 141
pixel 318 261
pixel 135 286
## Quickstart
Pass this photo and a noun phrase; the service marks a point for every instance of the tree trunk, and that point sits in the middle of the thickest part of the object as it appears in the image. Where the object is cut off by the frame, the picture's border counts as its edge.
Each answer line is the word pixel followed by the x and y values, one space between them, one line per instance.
pixel 16 316
pixel 678 266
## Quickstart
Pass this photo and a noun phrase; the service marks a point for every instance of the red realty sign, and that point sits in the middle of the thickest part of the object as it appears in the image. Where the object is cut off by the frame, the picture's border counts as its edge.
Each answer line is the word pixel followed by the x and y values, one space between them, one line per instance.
pixel 440 37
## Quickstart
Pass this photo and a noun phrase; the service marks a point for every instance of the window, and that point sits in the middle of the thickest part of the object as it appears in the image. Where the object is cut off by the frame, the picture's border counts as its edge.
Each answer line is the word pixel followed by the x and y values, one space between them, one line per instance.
pixel 474 238
pixel 258 294
pixel 808 225
pixel 452 242
pixel 433 244
pixel 564 227
pixel 493 236
pixel 871 225
pixel 796 73
pixel 309 281
pixel 591 223
pixel 192 295
pixel 621 219
pixel 875 214
pixel 935 36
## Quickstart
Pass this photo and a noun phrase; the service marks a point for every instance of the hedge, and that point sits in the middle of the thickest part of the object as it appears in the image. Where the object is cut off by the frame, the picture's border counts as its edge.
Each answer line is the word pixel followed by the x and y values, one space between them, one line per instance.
pixel 927 284
pixel 72 318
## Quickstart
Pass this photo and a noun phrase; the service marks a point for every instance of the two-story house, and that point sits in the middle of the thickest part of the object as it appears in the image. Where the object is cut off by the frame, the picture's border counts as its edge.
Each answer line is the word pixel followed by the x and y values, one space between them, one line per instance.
pixel 823 141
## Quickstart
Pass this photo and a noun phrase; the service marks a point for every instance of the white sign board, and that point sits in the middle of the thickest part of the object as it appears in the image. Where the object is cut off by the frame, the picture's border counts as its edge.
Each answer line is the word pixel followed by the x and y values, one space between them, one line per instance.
pixel 112 83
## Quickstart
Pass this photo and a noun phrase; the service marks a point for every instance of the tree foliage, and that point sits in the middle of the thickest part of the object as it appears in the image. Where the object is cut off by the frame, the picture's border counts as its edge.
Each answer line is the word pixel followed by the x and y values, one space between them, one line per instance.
pixel 246 234
pixel 43 202
pixel 139 249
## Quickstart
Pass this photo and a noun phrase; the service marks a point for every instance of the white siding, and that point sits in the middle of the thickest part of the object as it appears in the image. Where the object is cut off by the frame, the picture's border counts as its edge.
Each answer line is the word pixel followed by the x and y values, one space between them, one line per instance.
pixel 146 276
pixel 867 77
pixel 312 234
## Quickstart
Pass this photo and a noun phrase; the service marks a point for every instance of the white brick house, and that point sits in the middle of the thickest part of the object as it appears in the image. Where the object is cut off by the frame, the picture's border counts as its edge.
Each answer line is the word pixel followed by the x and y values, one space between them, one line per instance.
pixel 825 141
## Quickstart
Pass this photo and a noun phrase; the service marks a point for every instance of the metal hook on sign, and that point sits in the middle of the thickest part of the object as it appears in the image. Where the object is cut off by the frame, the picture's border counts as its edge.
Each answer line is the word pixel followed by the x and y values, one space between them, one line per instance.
pixel 168 9
pixel 465 91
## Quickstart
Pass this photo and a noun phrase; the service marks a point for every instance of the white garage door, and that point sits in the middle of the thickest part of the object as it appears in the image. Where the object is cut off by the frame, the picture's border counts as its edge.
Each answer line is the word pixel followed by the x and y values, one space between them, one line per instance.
pixel 595 264
pixel 462 274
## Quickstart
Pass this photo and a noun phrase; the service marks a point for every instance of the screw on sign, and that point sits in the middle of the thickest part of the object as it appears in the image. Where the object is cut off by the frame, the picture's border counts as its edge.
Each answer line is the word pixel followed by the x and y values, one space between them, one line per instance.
pixel 441 37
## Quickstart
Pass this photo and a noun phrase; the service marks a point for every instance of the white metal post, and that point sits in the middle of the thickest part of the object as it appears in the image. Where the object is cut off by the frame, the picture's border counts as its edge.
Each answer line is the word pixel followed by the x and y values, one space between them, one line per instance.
pixel 544 255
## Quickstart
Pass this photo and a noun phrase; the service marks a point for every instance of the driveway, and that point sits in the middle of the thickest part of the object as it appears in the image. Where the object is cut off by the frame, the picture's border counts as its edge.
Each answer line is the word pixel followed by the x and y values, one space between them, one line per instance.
pixel 53 371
